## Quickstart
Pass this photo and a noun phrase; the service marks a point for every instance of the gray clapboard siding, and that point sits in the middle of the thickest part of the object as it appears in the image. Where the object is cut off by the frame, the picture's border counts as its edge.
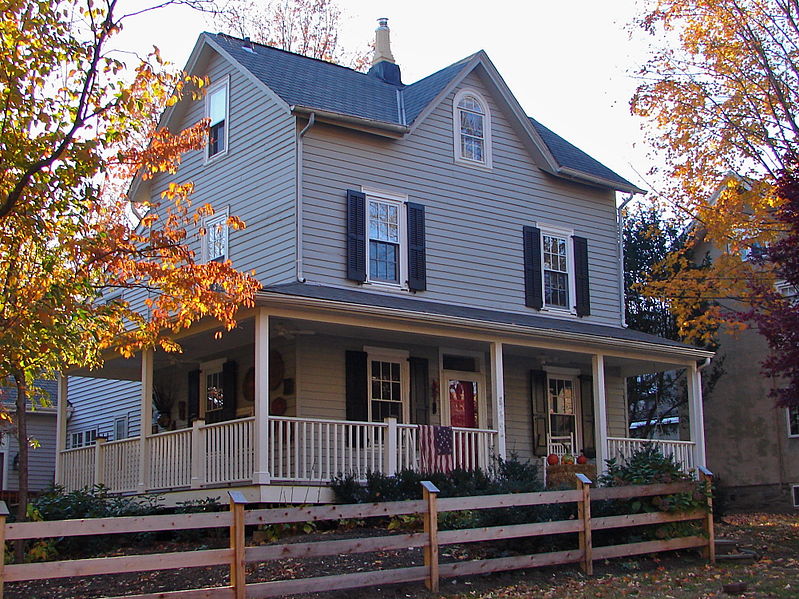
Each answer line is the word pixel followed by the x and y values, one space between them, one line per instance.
pixel 474 217
pixel 518 408
pixel 255 178
pixel 98 402
pixel 41 459
pixel 617 406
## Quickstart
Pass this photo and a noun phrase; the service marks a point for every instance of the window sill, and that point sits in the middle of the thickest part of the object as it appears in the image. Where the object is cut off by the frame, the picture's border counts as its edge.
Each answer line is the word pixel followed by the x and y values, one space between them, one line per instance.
pixel 559 311
pixel 386 286
pixel 215 158
pixel 480 166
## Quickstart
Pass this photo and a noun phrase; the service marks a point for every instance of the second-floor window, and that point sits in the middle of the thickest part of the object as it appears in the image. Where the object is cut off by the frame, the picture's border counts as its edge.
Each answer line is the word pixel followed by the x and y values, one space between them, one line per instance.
pixel 556 271
pixel 385 240
pixel 216 102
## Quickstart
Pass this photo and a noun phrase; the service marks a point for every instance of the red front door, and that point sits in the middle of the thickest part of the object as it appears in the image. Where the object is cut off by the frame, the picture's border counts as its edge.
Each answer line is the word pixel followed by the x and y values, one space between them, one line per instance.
pixel 463 397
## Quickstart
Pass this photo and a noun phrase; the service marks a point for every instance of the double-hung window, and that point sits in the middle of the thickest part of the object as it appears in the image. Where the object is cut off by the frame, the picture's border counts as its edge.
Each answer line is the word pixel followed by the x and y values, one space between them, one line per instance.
pixel 216 109
pixel 388 384
pixel 472 129
pixel 556 271
pixel 385 240
pixel 556 265
pixel 83 438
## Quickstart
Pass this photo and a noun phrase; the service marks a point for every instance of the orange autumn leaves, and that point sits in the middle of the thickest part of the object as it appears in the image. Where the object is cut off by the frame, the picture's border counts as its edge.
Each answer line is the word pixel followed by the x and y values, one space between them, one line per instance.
pixel 77 126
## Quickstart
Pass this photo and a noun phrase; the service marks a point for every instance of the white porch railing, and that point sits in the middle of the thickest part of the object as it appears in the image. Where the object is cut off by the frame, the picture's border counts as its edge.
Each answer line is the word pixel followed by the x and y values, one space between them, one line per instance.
pixel 77 466
pixel 298 450
pixel 682 451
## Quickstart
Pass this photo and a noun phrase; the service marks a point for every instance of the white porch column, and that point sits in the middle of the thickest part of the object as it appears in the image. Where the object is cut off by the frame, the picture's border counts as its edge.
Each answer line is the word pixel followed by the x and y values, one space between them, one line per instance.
pixel 696 415
pixel 261 474
pixel 600 411
pixel 498 392
pixel 146 417
pixel 61 426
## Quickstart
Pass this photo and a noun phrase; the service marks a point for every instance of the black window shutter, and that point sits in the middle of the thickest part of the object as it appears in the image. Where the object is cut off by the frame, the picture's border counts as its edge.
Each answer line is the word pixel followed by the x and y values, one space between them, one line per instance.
pixel 356 386
pixel 420 393
pixel 581 283
pixel 356 236
pixel 417 258
pixel 229 384
pixel 538 401
pixel 533 283
pixel 194 394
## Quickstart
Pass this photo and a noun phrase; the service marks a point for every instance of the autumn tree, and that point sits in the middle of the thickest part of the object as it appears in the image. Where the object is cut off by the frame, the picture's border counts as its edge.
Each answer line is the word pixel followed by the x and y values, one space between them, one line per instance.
pixel 720 97
pixel 307 27
pixel 77 125
pixel 776 314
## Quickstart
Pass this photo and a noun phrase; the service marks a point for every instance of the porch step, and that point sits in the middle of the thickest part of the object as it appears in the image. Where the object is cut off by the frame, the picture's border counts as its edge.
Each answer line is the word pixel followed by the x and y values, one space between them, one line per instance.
pixel 728 549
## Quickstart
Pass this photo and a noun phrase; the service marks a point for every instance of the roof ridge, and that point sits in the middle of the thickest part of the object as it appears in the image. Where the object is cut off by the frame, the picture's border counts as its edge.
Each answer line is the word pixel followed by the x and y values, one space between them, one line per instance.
pixel 327 62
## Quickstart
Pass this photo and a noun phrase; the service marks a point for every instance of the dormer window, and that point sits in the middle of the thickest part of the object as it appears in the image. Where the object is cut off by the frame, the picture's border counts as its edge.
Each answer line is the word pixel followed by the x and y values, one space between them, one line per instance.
pixel 472 128
pixel 216 110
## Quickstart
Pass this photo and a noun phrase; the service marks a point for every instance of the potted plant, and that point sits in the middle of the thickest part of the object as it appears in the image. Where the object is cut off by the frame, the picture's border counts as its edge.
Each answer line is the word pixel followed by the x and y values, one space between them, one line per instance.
pixel 164 397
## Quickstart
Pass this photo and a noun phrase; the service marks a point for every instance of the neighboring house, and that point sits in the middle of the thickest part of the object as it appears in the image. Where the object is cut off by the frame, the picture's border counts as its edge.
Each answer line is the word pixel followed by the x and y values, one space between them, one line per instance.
pixel 429 255
pixel 41 423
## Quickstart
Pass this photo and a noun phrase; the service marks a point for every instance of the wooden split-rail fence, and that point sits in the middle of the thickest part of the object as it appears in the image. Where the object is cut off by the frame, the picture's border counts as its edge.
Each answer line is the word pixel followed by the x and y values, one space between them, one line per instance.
pixel 237 555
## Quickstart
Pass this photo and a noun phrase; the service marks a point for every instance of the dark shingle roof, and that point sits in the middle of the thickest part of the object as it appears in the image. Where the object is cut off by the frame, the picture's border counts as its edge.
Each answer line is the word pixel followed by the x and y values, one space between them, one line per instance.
pixel 571 156
pixel 523 321
pixel 322 85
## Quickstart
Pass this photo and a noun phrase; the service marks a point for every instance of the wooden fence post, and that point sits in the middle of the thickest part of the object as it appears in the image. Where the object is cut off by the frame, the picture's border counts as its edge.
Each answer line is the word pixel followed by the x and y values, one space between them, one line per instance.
pixel 706 476
pixel 3 514
pixel 430 494
pixel 584 514
pixel 238 573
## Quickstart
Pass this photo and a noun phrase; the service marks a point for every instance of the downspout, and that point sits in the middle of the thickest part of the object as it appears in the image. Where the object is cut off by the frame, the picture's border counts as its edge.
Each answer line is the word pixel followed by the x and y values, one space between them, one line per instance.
pixel 622 290
pixel 299 240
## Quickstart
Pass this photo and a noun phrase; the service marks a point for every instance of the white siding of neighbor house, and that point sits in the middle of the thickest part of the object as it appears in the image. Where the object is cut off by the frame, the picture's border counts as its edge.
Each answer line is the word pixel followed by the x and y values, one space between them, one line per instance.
pixel 98 402
pixel 474 217
pixel 255 179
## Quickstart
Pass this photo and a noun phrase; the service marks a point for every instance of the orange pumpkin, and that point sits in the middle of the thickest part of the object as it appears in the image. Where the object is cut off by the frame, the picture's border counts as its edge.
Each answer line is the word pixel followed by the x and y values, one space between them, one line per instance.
pixel 552 459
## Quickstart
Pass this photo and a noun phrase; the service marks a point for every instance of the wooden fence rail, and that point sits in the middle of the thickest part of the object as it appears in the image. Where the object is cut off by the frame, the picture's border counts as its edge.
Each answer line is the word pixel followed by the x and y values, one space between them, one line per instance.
pixel 430 540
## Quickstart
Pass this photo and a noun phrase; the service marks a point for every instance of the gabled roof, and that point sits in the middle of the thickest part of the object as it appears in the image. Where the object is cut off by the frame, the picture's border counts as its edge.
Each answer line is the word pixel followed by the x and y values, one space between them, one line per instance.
pixel 308 84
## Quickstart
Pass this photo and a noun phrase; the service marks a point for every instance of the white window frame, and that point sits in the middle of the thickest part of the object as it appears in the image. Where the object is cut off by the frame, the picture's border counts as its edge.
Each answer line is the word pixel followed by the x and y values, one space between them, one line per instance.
pixel 401 201
pixel 123 420
pixel 84 438
pixel 383 354
pixel 791 434
pixel 218 219
pixel 487 163
pixel 795 495
pixel 206 369
pixel 222 84
pixel 568 235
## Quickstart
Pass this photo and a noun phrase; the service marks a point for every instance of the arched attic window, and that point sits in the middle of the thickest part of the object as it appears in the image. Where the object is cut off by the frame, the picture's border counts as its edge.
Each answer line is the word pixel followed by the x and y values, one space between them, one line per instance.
pixel 472 129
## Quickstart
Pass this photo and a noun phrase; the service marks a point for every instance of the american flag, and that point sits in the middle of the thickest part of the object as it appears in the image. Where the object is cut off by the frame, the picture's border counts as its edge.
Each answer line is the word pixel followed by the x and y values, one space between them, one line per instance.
pixel 435 448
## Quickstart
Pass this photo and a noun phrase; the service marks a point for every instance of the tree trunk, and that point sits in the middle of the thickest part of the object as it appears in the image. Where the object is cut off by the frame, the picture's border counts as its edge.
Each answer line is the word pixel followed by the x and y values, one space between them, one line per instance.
pixel 22 441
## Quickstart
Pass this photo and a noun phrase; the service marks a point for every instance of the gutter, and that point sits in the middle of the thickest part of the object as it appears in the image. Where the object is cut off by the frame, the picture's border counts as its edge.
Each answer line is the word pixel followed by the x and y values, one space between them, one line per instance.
pixel 338 117
pixel 622 290
pixel 410 315
pixel 571 173
pixel 299 188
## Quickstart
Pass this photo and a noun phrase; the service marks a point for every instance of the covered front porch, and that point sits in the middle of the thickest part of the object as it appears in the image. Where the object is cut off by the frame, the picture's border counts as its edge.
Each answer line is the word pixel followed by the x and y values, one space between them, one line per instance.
pixel 300 394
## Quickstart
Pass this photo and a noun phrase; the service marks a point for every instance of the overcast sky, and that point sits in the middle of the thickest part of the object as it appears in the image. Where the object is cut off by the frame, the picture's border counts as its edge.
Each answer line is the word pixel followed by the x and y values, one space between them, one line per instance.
pixel 570 64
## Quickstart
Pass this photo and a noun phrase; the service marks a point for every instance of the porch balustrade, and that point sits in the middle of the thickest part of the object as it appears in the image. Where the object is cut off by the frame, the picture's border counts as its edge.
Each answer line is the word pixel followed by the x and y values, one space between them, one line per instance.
pixel 300 450
pixel 682 451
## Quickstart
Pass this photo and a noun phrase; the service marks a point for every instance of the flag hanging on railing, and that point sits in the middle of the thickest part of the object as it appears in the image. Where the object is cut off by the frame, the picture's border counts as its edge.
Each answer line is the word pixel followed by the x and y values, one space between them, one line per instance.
pixel 435 448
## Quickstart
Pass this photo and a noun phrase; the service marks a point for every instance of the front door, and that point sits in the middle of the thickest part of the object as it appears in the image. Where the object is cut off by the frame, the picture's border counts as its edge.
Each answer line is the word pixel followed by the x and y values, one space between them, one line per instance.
pixel 464 392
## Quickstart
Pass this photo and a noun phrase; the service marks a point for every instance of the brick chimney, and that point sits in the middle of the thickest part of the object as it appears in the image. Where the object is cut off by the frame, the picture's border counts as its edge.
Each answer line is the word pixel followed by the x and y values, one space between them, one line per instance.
pixel 383 65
